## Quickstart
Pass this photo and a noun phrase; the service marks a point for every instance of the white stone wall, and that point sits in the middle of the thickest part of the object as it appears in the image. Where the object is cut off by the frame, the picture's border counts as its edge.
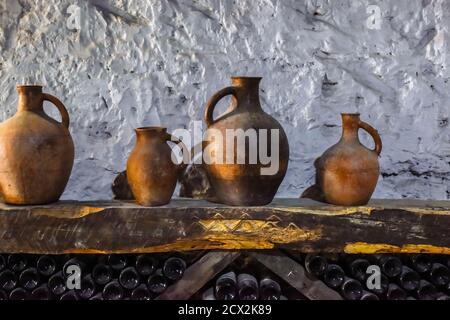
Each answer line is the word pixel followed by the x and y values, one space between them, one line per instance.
pixel 318 59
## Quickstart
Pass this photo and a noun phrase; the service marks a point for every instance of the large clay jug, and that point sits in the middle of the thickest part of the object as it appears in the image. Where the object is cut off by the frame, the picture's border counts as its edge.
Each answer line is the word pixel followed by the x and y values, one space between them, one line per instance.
pixel 347 173
pixel 152 170
pixel 235 168
pixel 36 151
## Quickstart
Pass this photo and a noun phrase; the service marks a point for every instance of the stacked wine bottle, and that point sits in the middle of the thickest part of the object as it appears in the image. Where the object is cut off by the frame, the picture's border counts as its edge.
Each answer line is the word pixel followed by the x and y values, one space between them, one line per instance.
pixel 244 286
pixel 111 277
pixel 403 277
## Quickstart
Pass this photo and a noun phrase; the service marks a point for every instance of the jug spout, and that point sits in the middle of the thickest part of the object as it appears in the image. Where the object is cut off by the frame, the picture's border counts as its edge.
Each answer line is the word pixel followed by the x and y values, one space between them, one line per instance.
pixel 30 98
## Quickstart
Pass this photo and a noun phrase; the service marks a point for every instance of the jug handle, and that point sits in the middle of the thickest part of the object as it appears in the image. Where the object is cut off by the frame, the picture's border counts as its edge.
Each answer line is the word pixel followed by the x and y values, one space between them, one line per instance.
pixel 214 100
pixel 185 150
pixel 62 109
pixel 374 133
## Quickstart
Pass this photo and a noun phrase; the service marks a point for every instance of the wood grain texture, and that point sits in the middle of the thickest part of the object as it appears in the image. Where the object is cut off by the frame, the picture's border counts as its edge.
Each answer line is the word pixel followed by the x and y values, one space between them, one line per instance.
pixel 184 225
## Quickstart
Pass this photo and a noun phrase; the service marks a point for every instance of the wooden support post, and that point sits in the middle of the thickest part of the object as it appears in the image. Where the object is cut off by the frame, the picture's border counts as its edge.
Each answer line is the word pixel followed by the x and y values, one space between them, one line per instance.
pixel 197 275
pixel 294 274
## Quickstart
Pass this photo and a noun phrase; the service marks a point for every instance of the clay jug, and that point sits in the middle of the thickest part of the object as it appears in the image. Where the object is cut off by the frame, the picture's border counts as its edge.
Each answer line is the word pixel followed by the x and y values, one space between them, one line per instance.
pixel 347 173
pixel 238 174
pixel 151 168
pixel 36 151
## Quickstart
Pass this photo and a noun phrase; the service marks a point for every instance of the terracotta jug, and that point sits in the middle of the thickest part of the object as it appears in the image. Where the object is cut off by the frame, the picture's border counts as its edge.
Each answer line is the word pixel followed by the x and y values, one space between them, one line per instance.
pixel 36 151
pixel 347 173
pixel 151 170
pixel 234 181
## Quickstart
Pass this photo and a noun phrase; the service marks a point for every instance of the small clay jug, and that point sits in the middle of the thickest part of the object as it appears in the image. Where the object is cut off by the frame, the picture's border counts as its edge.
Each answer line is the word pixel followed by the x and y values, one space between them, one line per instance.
pixel 36 151
pixel 151 168
pixel 237 181
pixel 347 173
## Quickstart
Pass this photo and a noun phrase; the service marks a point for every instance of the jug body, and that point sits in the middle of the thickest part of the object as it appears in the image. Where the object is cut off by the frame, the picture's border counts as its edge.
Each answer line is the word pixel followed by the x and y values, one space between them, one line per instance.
pixel 237 145
pixel 36 151
pixel 151 171
pixel 347 173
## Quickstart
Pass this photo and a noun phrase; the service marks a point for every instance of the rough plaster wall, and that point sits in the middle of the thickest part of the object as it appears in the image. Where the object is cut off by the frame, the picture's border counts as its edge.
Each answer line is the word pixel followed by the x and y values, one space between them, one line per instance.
pixel 318 58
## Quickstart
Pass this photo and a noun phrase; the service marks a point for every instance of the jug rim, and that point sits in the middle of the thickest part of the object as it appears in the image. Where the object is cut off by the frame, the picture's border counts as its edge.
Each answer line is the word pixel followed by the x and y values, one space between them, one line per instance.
pixel 152 128
pixel 246 77
pixel 350 114
pixel 29 86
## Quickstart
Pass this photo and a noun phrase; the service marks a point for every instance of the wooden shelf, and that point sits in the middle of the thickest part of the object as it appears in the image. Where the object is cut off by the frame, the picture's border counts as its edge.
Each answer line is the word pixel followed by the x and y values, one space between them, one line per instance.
pixel 397 226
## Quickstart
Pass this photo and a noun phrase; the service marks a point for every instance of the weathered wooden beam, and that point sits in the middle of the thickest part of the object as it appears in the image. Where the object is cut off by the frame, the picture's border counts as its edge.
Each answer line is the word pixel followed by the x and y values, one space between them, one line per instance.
pixel 197 275
pixel 295 275
pixel 295 224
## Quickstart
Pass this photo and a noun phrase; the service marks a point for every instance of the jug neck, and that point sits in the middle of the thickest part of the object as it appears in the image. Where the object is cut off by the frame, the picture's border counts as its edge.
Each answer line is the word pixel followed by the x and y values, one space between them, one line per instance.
pixel 30 98
pixel 350 126
pixel 247 92
pixel 149 134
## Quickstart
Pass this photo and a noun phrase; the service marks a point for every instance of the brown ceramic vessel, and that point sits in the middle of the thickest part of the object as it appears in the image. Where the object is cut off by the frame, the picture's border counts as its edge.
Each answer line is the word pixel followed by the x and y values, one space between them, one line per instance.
pixel 36 151
pixel 347 173
pixel 237 182
pixel 151 170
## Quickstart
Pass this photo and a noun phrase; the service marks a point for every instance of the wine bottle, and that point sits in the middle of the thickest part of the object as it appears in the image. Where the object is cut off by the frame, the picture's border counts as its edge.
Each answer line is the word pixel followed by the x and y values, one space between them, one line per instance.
pixel 384 285
pixel 446 261
pixel 247 287
pixel 351 289
pixel 101 274
pixel 441 296
pixel 141 293
pixel 315 264
pixel 73 262
pixel 41 293
pixel 113 291
pixel 225 288
pixel 145 265
pixel 439 275
pixel 366 295
pixel 3 295
pixel 358 269
pixel 98 296
pixel 157 283
pixel 269 289
pixel 129 278
pixel 334 276
pixel 208 295
pixel 46 265
pixel 87 288
pixel 8 280
pixel 29 279
pixel 17 262
pixel 394 292
pixel 117 262
pixel 19 294
pixel 2 262
pixel 426 291
pixel 421 263
pixel 57 284
pixel 69 295
pixel 409 279
pixel 174 268
pixel 391 266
